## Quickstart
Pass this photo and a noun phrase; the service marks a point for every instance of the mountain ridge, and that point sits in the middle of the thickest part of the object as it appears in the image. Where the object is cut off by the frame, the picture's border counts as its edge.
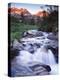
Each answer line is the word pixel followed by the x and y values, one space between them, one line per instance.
pixel 26 12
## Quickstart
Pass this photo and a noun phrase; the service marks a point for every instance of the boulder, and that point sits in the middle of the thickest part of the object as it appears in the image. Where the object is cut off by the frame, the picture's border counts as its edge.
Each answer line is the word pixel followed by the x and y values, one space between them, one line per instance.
pixel 30 70
pixel 39 33
pixel 52 36
pixel 17 45
pixel 13 53
pixel 53 43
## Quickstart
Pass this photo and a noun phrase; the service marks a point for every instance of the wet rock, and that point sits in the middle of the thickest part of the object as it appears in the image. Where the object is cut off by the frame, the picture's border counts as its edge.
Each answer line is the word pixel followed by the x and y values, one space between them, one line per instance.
pixel 53 43
pixel 17 45
pixel 52 36
pixel 19 70
pixel 31 50
pixel 30 70
pixel 39 33
pixel 33 33
pixel 13 53
pixel 40 67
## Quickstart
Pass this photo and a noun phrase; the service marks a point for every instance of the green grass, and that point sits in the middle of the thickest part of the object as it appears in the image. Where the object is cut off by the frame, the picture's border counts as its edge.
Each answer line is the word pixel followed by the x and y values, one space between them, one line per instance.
pixel 18 28
pixel 49 24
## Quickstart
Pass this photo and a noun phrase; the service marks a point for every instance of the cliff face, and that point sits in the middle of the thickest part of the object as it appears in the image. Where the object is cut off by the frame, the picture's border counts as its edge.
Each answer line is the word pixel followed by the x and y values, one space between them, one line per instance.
pixel 26 12
pixel 19 11
pixel 25 16
pixel 42 14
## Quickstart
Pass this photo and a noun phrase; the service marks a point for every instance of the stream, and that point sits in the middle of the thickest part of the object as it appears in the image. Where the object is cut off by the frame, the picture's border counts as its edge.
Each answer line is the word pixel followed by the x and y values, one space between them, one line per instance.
pixel 35 47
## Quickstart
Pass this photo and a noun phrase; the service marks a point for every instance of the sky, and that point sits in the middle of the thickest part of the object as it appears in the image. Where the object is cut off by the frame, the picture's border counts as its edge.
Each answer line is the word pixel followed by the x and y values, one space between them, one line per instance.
pixel 32 8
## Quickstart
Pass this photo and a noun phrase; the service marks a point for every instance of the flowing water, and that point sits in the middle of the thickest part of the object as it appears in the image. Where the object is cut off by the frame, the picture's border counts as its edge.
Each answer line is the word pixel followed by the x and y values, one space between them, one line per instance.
pixel 44 56
pixel 36 50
